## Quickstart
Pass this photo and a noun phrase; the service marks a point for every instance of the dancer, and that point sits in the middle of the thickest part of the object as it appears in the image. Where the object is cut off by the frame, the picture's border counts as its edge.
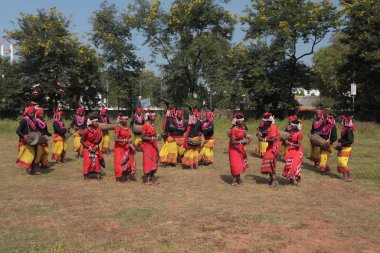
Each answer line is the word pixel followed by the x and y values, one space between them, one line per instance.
pixel 59 141
pixel 137 120
pixel 149 148
pixel 206 156
pixel 180 128
pixel 192 141
pixel 26 152
pixel 79 124
pixel 269 162
pixel 316 128
pixel 168 152
pixel 294 155
pixel 288 129
pixel 105 143
pixel 261 145
pixel 124 162
pixel 93 158
pixel 344 147
pixel 329 133
pixel 42 153
pixel 236 148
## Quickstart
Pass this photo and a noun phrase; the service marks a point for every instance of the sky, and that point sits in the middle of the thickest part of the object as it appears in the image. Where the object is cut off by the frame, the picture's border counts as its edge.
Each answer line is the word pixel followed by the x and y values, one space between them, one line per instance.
pixel 80 10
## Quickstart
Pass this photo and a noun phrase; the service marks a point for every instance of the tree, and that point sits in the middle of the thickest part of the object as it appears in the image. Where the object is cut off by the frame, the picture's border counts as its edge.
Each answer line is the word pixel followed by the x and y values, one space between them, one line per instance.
pixel 282 25
pixel 112 35
pixel 52 56
pixel 362 66
pixel 327 62
pixel 187 37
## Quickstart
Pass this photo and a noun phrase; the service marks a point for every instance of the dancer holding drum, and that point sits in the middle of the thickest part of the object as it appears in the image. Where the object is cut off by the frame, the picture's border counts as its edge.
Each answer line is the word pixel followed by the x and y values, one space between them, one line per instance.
pixel 261 145
pixel 42 153
pixel 79 124
pixel 206 156
pixel 316 128
pixel 59 140
pixel 328 133
pixel 192 141
pixel 168 152
pixel 180 128
pixel 26 152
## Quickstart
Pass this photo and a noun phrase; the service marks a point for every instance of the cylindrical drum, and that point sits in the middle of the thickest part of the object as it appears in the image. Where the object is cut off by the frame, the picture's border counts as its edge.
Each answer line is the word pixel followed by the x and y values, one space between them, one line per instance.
pixel 317 140
pixel 67 135
pixel 283 135
pixel 105 126
pixel 136 129
pixel 34 137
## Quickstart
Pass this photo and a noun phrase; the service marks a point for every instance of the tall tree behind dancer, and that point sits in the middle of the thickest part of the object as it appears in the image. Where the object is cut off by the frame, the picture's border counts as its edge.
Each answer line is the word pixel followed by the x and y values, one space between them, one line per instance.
pixel 180 128
pixel 168 152
pixel 206 156
pixel 59 141
pixel 105 143
pixel 329 133
pixel 344 147
pixel 269 162
pixel 26 152
pixel 42 154
pixel 79 124
pixel 137 119
pixel 316 128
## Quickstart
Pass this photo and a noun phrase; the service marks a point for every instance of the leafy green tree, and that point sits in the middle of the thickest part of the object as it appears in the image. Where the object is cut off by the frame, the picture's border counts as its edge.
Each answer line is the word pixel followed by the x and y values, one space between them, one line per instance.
pixel 362 66
pixel 112 33
pixel 53 57
pixel 327 63
pixel 281 25
pixel 187 37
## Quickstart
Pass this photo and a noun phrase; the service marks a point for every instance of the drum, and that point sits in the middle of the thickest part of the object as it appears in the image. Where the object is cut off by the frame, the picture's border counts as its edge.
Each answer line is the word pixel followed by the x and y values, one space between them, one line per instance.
pixel 36 138
pixel 106 127
pixel 194 142
pixel 317 140
pixel 283 135
pixel 136 129
pixel 67 135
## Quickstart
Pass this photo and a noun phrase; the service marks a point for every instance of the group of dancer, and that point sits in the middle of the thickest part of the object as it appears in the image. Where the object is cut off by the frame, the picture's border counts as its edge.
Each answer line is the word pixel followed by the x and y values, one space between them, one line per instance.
pixel 189 142
pixel 269 146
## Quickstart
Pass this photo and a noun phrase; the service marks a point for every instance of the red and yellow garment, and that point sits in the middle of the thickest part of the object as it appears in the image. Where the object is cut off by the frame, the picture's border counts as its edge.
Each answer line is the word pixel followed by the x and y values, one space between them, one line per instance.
pixel 237 152
pixel 293 157
pixel 270 158
pixel 149 149
pixel 124 161
pixel 92 160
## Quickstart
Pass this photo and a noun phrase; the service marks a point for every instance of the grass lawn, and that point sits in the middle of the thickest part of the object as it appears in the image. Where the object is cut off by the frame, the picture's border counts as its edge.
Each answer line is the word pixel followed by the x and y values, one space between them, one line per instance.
pixel 192 211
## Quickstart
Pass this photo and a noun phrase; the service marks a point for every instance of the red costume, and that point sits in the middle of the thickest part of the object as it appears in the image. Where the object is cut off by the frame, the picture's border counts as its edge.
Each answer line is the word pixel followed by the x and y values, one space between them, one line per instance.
pixel 124 161
pixel 237 152
pixel 293 157
pixel 150 149
pixel 92 160
pixel 270 158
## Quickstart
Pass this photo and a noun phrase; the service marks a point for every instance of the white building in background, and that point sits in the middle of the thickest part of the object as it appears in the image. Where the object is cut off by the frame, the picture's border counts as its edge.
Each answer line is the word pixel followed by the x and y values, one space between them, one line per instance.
pixel 7 48
pixel 306 93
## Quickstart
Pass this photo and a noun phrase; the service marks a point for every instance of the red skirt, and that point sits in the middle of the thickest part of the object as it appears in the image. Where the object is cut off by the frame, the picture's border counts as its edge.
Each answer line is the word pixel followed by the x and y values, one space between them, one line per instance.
pixel 92 161
pixel 293 161
pixel 124 161
pixel 270 158
pixel 238 159
pixel 150 156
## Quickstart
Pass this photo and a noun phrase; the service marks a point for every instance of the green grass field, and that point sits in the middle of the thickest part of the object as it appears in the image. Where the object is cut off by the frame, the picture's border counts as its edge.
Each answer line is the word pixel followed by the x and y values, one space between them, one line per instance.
pixel 192 211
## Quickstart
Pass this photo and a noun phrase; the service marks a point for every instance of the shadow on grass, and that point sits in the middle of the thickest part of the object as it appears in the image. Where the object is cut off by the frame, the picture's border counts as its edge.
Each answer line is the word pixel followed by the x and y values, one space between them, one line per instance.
pixel 312 168
pixel 265 180
pixel 45 171
pixel 226 178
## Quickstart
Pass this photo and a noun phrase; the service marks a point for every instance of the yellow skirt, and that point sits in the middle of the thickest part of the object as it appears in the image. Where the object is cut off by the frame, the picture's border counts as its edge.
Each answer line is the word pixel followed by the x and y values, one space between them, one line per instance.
pixel 261 148
pixel 168 152
pixel 26 156
pixel 77 146
pixel 42 156
pixel 324 156
pixel 283 149
pixel 105 143
pixel 343 157
pixel 207 153
pixel 137 140
pixel 59 149
pixel 315 152
pixel 190 157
